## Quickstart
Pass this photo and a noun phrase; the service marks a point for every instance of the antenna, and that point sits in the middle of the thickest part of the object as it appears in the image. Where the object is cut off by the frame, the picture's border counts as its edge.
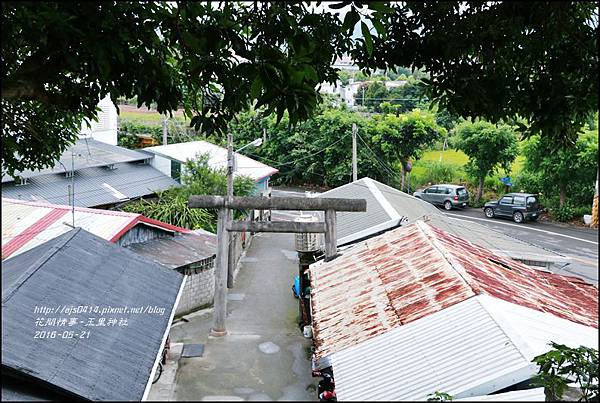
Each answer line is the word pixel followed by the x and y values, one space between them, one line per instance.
pixel 73 185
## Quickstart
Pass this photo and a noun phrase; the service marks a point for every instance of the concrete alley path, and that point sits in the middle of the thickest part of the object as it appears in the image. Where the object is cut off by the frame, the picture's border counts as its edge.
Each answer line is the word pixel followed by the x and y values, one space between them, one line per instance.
pixel 264 356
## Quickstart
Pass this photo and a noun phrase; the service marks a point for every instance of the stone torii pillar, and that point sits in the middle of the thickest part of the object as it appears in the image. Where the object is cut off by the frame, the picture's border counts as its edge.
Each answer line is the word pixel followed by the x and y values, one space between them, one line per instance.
pixel 329 205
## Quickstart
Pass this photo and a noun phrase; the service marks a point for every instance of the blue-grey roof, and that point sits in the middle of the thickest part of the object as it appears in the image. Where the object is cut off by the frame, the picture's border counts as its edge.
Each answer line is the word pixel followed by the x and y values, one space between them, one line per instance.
pixel 85 153
pixel 385 204
pixel 93 185
pixel 81 269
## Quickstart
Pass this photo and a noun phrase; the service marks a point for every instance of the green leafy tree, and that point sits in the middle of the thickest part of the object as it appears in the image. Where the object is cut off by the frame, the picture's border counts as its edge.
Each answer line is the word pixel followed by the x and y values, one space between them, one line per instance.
pixel 403 137
pixel 438 396
pixel 496 60
pixel 60 58
pixel 488 147
pixel 371 95
pixel 198 178
pixel 315 152
pixel 568 171
pixel 563 365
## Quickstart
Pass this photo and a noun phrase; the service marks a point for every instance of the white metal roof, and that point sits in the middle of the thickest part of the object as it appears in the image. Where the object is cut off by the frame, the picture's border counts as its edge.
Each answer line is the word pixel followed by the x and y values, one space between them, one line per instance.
pixel 472 348
pixel 527 395
pixel 218 157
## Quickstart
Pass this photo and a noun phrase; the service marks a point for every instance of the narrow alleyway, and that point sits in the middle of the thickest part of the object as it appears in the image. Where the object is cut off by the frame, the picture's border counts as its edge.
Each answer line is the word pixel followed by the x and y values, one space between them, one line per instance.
pixel 264 356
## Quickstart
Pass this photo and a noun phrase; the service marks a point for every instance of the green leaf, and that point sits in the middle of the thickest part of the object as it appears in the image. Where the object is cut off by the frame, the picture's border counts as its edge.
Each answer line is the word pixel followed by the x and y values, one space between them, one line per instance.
pixel 336 6
pixel 350 20
pixel 367 36
pixel 379 27
pixel 380 6
pixel 256 87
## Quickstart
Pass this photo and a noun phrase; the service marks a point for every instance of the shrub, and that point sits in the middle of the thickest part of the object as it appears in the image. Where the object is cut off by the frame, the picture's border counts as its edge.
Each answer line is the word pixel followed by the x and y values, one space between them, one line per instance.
pixel 440 172
pixel 579 212
pixel 563 214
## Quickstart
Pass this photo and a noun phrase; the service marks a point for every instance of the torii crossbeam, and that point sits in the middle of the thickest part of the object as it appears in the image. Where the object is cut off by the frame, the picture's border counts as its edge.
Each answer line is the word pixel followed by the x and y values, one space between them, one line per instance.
pixel 329 205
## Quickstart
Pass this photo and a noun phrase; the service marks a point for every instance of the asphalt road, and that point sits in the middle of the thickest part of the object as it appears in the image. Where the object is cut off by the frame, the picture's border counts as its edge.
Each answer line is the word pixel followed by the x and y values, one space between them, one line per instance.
pixel 578 243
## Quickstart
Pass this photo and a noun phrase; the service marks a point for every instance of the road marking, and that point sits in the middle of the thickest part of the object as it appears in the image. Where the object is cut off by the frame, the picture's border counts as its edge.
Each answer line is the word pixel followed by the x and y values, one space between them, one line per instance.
pixel 521 227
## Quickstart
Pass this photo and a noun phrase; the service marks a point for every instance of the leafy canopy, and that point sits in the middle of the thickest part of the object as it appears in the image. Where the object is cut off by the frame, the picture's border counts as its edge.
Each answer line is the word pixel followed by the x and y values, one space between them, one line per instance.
pixel 214 59
pixel 488 146
pixel 497 60
pixel 198 178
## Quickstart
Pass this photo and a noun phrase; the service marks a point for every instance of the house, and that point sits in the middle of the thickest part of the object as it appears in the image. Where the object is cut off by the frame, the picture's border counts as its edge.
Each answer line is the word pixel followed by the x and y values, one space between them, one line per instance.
pixel 99 174
pixel 170 159
pixel 418 310
pixel 388 208
pixel 84 318
pixel 105 129
pixel 26 225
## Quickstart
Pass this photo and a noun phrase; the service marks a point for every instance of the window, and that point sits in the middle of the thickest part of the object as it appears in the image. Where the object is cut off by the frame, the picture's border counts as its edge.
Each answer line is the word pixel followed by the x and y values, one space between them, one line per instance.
pixel 461 191
pixel 506 200
pixel 447 191
pixel 176 170
pixel 432 189
pixel 519 201
pixel 532 202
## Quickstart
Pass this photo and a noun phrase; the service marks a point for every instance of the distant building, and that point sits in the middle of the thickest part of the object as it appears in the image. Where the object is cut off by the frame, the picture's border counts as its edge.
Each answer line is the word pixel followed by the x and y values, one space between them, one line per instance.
pixel 105 129
pixel 103 175
pixel 170 160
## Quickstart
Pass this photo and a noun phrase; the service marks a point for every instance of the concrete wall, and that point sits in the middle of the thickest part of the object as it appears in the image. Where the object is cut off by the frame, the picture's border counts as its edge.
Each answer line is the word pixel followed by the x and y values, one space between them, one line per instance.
pixel 162 164
pixel 199 289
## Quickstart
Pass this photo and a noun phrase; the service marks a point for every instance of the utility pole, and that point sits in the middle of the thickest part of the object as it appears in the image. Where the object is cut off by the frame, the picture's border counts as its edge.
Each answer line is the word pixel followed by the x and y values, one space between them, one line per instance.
pixel 164 127
pixel 354 157
pixel 73 186
pixel 595 206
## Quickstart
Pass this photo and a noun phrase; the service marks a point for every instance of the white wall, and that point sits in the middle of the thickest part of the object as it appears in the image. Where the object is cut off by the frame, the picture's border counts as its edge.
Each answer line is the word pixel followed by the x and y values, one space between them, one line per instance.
pixel 162 164
pixel 105 129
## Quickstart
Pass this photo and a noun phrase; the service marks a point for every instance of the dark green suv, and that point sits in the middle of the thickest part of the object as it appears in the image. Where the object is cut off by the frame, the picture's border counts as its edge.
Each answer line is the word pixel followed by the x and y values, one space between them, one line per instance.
pixel 518 206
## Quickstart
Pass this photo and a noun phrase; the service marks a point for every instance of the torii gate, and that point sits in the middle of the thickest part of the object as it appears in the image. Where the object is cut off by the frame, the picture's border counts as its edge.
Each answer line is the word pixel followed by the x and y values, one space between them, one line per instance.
pixel 225 203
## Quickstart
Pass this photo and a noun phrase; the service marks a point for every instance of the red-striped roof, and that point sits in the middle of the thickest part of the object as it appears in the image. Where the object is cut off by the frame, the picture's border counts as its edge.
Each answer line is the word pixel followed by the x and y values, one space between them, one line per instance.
pixel 27 224
pixel 413 271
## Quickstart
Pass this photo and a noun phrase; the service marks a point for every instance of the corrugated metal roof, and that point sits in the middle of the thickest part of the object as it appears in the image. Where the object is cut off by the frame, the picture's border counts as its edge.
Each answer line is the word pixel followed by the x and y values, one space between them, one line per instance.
pixel 355 226
pixel 465 350
pixel 86 153
pixel 460 350
pixel 414 271
pixel 178 251
pixel 81 269
pixel 218 157
pixel 351 226
pixel 93 186
pixel 28 224
pixel 527 395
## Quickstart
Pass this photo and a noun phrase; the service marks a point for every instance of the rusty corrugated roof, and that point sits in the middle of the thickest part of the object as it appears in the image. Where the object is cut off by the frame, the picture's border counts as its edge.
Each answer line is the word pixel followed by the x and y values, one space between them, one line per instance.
pixel 413 271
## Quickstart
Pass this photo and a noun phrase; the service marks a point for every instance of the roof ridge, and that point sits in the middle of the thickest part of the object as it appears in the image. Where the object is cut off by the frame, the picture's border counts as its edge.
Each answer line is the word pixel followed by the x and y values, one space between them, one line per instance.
pixel 447 255
pixel 37 264
pixel 68 208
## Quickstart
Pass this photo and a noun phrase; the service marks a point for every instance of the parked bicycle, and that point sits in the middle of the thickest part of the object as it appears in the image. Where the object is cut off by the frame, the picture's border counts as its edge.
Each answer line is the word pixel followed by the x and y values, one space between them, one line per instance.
pixel 162 361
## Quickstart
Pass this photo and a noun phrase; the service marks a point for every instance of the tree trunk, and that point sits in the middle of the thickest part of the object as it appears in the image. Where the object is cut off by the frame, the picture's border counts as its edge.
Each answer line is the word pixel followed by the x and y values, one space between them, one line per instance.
pixel 563 193
pixel 402 176
pixel 479 189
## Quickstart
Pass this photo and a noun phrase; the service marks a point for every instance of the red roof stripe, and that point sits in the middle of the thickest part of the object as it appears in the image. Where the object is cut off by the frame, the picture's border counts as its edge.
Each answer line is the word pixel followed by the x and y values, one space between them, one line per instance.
pixel 30 232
